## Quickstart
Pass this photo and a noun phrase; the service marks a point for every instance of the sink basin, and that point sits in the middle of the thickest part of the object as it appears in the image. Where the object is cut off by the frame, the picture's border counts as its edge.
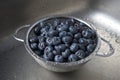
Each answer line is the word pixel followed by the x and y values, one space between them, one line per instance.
pixel 17 64
pixel 101 13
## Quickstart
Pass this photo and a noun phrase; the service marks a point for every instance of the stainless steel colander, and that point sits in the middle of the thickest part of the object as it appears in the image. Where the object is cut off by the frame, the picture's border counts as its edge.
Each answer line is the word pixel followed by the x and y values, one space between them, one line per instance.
pixel 61 67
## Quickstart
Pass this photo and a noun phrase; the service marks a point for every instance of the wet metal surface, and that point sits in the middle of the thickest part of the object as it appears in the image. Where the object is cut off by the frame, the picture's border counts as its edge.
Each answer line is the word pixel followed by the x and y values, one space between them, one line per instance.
pixel 17 64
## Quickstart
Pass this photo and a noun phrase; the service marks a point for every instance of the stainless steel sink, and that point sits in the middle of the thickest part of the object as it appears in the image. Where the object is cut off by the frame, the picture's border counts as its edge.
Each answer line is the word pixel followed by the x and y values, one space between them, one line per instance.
pixel 17 64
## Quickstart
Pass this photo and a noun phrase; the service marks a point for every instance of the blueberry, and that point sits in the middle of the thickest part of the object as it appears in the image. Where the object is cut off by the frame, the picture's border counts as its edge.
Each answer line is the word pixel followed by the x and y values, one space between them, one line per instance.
pixel 77 36
pixel 49 41
pixel 80 54
pixel 75 41
pixel 72 58
pixel 41 45
pixel 82 47
pixel 62 47
pixel 67 22
pixel 45 29
pixel 69 34
pixel 58 58
pixel 73 29
pixel 56 40
pixel 52 33
pixel 66 27
pixel 90 48
pixel 67 39
pixel 87 53
pixel 87 33
pixel 38 52
pixel 56 22
pixel 41 24
pixel 41 39
pixel 33 39
pixel 48 49
pixel 74 47
pixel 44 34
pixel 48 56
pixel 77 25
pixel 83 41
pixel 56 52
pixel 82 26
pixel 57 49
pixel 67 45
pixel 70 22
pixel 62 27
pixel 51 27
pixel 37 29
pixel 62 34
pixel 66 53
pixel 90 41
pixel 33 46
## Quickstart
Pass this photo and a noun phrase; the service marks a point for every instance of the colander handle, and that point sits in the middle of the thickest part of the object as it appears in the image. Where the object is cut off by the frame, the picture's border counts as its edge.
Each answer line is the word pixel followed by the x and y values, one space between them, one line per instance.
pixel 16 36
pixel 106 54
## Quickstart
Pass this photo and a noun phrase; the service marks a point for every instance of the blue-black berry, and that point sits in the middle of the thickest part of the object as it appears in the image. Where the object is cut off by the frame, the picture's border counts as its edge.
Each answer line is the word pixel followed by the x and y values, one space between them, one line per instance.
pixel 55 52
pixel 62 34
pixel 59 58
pixel 37 29
pixel 66 53
pixel 83 41
pixel 56 40
pixel 67 39
pixel 90 48
pixel 48 56
pixel 48 49
pixel 49 41
pixel 87 33
pixel 41 39
pixel 70 34
pixel 80 54
pixel 33 39
pixel 62 27
pixel 82 47
pixel 77 36
pixel 72 58
pixel 73 29
pixel 38 52
pixel 45 29
pixel 41 45
pixel 74 47
pixel 52 33
pixel 62 47
pixel 33 46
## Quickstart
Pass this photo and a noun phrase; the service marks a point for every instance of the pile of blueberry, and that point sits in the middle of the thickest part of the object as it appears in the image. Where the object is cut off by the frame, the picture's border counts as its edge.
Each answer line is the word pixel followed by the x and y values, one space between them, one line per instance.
pixel 62 40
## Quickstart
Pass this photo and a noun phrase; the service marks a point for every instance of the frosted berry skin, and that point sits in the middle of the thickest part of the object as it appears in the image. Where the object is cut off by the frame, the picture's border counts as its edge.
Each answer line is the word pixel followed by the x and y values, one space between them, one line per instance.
pixel 72 58
pixel 33 46
pixel 80 54
pixel 37 29
pixel 66 53
pixel 67 39
pixel 74 47
pixel 62 40
pixel 33 39
pixel 48 56
pixel 59 58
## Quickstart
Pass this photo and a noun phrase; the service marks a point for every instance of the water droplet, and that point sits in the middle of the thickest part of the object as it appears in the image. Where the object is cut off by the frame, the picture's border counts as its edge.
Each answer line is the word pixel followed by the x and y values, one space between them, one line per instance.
pixel 117 40
pixel 87 19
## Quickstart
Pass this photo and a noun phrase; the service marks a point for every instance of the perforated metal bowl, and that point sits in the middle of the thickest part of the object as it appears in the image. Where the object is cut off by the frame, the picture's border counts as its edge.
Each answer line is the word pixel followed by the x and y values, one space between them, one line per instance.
pixel 62 67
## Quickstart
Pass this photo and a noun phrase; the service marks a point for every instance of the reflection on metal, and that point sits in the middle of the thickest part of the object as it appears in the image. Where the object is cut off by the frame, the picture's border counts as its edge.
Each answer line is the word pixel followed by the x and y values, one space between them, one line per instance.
pixel 105 20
